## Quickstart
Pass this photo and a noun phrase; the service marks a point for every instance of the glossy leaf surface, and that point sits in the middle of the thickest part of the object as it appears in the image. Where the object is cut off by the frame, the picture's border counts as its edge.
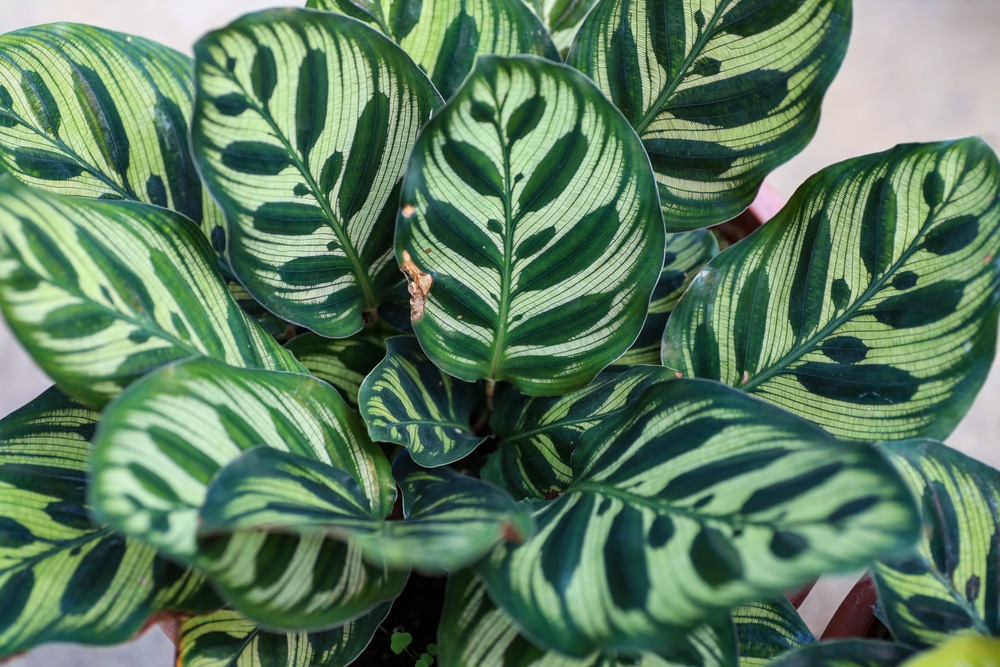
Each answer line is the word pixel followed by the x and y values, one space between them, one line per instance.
pixel 411 402
pixel 229 639
pixel 161 443
pixel 102 292
pixel 766 629
pixel 868 305
pixel 445 36
pixel 538 435
pixel 529 229
pixel 303 122
pixel 695 499
pixel 721 92
pixel 343 362
pixel 952 583
pixel 63 577
pixel 846 653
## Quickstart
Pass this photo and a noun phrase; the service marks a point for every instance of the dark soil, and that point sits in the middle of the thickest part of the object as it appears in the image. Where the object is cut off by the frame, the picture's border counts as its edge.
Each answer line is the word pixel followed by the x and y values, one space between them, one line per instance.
pixel 417 611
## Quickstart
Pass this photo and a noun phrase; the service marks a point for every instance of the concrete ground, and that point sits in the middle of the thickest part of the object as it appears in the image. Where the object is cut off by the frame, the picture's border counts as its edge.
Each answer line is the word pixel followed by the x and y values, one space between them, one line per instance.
pixel 917 70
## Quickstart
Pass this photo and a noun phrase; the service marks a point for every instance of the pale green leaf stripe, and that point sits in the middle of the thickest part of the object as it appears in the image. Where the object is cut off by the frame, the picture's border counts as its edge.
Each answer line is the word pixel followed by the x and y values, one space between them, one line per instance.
pixel 868 305
pixel 102 292
pixel 846 653
pixel 952 583
pixel 95 113
pixel 687 253
pixel 229 639
pixel 303 123
pixel 409 401
pixel 696 499
pixel 563 18
pixel 768 628
pixel 474 631
pixel 62 577
pixel 445 36
pixel 538 435
pixel 530 205
pixel 343 362
pixel 721 91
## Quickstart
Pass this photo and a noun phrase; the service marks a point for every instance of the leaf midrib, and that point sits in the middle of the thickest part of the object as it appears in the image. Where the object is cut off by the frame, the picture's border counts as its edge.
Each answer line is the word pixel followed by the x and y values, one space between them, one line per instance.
pixel 508 248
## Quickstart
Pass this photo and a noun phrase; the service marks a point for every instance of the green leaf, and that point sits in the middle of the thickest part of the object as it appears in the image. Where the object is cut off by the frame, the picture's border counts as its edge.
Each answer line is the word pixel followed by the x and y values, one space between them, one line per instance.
pixel 411 402
pixel 102 292
pixel 64 578
pixel 302 125
pixel 160 444
pixel 695 499
pixel 721 92
pixel 529 229
pixel 868 305
pixel 95 113
pixel 964 650
pixel 563 18
pixel 768 628
pixel 450 520
pixel 538 435
pixel 343 362
pixel 687 253
pixel 846 653
pixel 445 36
pixel 474 631
pixel 229 639
pixel 951 584
pixel 400 641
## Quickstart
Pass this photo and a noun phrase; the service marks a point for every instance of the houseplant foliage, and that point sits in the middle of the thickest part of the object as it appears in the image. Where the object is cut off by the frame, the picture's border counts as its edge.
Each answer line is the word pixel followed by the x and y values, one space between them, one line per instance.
pixel 372 292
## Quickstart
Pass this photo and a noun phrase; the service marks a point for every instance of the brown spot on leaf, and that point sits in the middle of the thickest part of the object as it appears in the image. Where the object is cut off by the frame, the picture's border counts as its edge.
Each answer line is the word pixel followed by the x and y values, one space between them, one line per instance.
pixel 511 533
pixel 417 282
pixel 409 210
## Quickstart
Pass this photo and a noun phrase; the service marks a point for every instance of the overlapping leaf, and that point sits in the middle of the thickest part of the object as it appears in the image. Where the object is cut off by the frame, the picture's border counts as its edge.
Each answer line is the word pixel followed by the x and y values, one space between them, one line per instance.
pixel 229 639
pixel 846 653
pixel 450 520
pixel 563 18
pixel 952 583
pixel 720 92
pixel 868 305
pixel 161 443
pixel 529 229
pixel 766 629
pixel 474 631
pixel 538 435
pixel 445 36
pixel 63 577
pixel 303 122
pixel 696 499
pixel 343 362
pixel 410 401
pixel 100 293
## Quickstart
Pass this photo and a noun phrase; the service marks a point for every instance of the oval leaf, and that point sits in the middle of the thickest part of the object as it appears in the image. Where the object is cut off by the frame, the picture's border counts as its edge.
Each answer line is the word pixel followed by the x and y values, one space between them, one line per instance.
pixel 102 292
pixel 952 583
pixel 302 125
pixel 768 628
pixel 343 362
pixel 529 230
pixel 409 401
pixel 868 305
pixel 64 578
pixel 696 499
pixel 721 92
pixel 967 651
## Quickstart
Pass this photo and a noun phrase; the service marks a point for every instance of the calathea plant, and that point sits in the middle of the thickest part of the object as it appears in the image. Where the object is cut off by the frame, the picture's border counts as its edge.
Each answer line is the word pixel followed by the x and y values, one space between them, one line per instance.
pixel 373 301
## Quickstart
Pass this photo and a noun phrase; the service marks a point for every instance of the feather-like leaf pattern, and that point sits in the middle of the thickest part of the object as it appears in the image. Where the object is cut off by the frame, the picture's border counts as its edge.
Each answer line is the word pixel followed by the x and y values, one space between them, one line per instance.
pixel 768 628
pixel 343 362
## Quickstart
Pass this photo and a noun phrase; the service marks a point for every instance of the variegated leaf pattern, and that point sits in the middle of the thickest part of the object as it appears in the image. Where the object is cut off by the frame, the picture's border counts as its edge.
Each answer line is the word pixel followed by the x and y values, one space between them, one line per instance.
pixel 450 520
pixel 474 631
pixel 721 92
pixel 343 362
pixel 538 435
pixel 695 499
pixel 102 292
pixel 951 584
pixel 687 253
pixel 563 18
pixel 768 628
pixel 411 402
pixel 229 639
pixel 63 577
pixel 303 122
pixel 160 444
pixel 529 229
pixel 445 36
pixel 95 113
pixel 846 653
pixel 868 305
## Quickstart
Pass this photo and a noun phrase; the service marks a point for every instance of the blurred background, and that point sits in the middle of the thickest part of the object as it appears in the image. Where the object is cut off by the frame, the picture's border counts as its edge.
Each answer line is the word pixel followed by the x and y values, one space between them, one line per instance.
pixel 916 70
